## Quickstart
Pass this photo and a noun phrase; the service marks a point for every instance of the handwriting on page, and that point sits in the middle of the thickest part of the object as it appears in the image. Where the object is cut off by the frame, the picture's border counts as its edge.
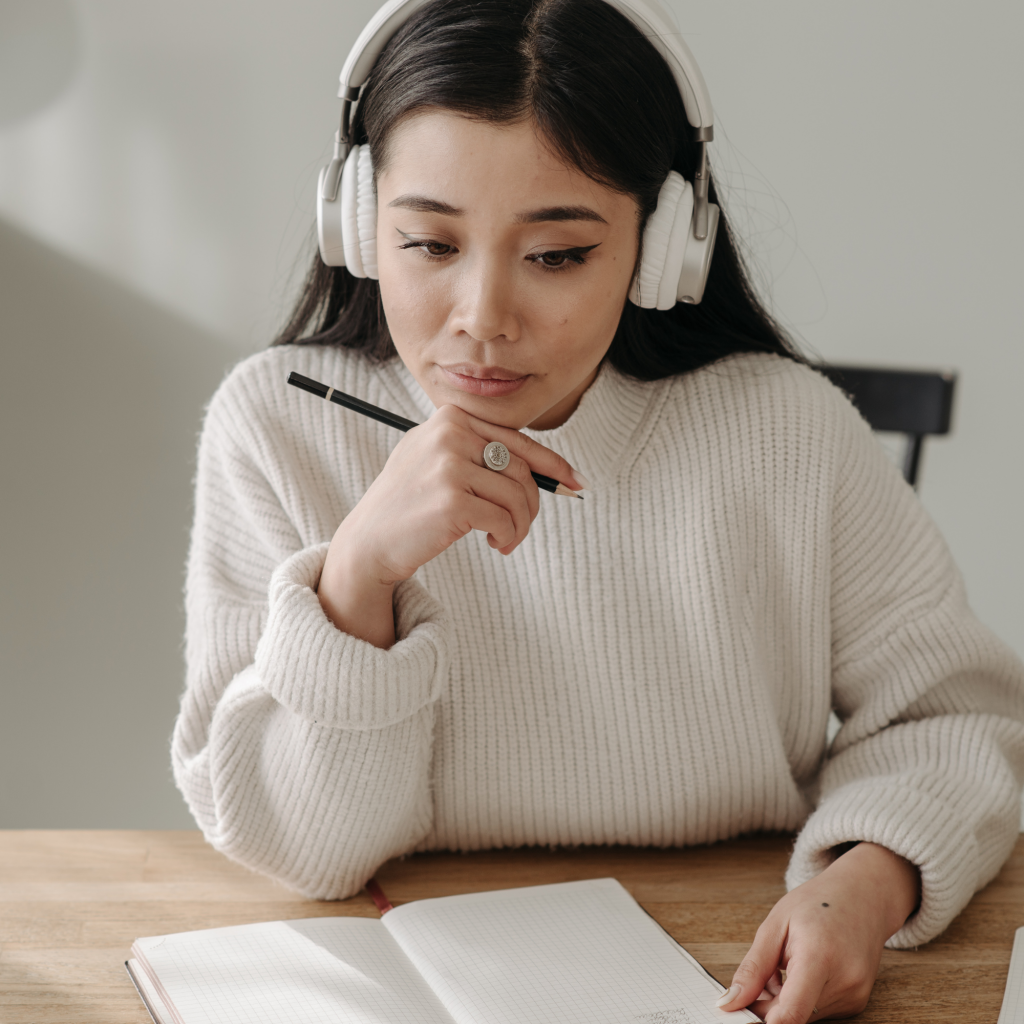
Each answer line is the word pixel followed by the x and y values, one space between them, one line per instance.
pixel 677 1016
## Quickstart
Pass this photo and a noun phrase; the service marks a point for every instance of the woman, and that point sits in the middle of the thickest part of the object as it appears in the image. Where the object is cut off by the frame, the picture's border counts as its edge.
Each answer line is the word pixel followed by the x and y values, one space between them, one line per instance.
pixel 393 648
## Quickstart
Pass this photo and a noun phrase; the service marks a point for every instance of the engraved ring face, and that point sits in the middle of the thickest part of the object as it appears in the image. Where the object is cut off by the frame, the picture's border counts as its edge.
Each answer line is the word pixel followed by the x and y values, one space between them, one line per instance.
pixel 496 456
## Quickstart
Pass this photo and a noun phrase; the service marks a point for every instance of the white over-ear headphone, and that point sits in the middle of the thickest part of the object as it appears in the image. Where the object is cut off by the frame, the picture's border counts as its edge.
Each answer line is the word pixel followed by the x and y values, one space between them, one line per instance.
pixel 678 239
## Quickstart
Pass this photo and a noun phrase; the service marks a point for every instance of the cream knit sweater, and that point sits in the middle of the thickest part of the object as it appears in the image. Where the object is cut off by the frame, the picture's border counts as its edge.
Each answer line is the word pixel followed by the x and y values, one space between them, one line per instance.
pixel 654 665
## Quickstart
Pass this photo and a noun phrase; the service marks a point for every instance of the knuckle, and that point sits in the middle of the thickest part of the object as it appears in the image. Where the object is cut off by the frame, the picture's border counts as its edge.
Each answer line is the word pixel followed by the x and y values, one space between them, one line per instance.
pixel 448 414
pixel 790 1015
pixel 860 996
pixel 448 432
pixel 448 467
pixel 449 506
pixel 748 970
pixel 525 443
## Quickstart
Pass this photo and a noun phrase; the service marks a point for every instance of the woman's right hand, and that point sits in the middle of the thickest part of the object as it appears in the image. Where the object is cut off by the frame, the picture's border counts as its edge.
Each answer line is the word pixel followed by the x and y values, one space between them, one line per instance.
pixel 433 490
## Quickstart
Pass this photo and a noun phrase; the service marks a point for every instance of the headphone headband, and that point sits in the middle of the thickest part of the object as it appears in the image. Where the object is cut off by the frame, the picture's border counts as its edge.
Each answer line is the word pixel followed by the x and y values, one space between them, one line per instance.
pixel 655 24
pixel 371 42
pixel 646 15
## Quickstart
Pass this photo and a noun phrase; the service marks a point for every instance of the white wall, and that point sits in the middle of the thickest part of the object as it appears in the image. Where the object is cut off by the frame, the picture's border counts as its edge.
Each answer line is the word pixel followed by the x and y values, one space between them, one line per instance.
pixel 100 397
pixel 181 155
pixel 871 153
pixel 883 140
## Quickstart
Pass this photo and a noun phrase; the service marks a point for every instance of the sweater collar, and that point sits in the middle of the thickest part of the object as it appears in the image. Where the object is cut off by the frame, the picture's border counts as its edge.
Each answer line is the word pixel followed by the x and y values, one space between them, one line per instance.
pixel 598 437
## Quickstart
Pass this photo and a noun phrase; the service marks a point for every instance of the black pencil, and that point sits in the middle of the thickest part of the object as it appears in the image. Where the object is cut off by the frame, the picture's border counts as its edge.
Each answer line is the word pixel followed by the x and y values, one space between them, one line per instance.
pixel 314 387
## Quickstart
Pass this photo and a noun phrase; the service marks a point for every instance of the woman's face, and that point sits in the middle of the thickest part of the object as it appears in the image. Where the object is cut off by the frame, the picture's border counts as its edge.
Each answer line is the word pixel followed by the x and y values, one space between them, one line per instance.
pixel 503 271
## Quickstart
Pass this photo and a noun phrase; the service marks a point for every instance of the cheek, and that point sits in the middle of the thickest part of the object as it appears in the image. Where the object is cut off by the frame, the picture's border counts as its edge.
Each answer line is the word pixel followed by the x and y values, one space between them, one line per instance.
pixel 582 308
pixel 415 305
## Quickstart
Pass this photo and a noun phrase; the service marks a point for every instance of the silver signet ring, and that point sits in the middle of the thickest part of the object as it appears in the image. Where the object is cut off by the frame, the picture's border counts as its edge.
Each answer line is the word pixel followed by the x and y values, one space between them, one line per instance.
pixel 496 456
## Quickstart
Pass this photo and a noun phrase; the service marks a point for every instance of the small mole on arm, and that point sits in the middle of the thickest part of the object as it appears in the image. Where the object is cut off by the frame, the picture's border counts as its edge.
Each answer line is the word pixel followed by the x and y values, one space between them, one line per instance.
pixel 824 904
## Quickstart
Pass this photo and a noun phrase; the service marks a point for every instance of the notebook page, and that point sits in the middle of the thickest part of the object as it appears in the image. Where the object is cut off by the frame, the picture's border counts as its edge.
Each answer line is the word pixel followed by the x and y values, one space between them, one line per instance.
pixel 148 993
pixel 573 953
pixel 324 970
pixel 1012 1011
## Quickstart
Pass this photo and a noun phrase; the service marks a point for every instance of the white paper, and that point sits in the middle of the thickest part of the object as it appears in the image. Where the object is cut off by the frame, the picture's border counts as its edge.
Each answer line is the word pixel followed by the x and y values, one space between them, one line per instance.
pixel 324 970
pixel 575 953
pixel 1012 1011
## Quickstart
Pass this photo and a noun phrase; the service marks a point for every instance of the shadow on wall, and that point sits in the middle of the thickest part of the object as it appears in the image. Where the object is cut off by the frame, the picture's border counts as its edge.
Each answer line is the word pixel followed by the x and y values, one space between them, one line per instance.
pixel 101 397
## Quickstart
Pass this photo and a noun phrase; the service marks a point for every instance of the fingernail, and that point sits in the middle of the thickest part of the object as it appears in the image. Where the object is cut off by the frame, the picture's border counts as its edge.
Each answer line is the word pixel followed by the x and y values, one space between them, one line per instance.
pixel 582 480
pixel 728 996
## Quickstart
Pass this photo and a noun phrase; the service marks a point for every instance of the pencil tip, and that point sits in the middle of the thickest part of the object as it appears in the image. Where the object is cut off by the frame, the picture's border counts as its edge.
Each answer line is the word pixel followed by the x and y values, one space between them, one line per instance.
pixel 566 492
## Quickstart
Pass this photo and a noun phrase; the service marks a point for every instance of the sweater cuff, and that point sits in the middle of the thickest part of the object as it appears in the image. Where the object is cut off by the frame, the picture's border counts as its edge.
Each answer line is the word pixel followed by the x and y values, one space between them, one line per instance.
pixel 908 822
pixel 340 681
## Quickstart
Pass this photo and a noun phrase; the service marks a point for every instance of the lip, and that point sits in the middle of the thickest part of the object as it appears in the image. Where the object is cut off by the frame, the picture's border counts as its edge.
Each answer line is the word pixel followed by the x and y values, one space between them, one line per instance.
pixel 487 381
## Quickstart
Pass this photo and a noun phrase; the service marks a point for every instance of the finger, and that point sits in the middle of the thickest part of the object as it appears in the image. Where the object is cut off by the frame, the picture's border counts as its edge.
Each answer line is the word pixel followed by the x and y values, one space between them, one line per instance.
pixel 768 997
pixel 758 967
pixel 518 471
pixel 480 514
pixel 538 457
pixel 509 494
pixel 453 431
pixel 802 995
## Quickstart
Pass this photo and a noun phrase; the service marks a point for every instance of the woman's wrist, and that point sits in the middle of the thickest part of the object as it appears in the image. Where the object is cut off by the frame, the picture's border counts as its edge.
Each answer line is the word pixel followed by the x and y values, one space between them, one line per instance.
pixel 354 597
pixel 892 878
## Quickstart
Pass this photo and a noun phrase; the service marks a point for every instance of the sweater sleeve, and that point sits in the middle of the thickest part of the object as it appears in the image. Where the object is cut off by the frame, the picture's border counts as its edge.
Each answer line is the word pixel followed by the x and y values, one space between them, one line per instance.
pixel 303 752
pixel 929 760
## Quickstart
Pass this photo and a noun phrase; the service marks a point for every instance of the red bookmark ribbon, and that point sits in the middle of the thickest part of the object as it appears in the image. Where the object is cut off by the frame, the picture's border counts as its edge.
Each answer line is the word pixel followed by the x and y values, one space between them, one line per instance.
pixel 381 902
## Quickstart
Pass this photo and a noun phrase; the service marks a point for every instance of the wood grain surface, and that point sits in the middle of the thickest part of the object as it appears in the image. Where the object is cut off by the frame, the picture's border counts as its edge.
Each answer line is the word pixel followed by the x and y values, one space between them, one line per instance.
pixel 72 902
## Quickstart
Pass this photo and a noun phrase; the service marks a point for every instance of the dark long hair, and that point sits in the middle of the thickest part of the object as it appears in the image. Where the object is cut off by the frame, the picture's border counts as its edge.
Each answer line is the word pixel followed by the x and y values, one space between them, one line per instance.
pixel 606 101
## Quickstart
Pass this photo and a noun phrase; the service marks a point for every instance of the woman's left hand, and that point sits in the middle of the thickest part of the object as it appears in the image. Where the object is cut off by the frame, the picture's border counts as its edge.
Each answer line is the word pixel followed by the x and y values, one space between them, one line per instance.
pixel 827 935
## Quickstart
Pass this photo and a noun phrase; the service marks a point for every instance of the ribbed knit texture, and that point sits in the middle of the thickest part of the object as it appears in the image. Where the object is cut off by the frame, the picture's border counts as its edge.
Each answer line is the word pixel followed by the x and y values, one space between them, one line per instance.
pixel 653 665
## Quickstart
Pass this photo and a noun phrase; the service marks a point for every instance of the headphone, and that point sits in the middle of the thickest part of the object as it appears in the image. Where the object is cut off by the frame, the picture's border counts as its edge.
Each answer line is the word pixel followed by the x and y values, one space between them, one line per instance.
pixel 678 239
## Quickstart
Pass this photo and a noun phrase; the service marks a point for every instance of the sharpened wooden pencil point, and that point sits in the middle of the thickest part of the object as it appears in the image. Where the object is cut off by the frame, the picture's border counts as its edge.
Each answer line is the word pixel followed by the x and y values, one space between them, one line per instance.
pixel 562 489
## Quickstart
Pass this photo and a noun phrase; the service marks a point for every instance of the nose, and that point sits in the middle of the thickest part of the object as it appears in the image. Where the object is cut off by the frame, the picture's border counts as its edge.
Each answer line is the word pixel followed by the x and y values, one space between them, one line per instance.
pixel 484 306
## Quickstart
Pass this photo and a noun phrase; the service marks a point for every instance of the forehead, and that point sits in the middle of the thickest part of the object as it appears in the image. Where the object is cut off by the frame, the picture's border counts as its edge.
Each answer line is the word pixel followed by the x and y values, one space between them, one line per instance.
pixel 474 165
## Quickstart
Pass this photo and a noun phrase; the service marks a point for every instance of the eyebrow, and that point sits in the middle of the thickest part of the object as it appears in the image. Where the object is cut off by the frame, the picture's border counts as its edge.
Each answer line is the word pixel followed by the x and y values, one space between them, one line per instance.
pixel 424 204
pixel 557 213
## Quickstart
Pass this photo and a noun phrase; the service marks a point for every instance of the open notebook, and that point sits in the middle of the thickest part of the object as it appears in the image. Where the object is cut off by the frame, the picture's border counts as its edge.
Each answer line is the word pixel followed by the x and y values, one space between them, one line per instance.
pixel 581 952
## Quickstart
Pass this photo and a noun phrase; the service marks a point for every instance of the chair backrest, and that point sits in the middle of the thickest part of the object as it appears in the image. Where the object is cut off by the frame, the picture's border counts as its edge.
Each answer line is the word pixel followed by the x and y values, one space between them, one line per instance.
pixel 910 402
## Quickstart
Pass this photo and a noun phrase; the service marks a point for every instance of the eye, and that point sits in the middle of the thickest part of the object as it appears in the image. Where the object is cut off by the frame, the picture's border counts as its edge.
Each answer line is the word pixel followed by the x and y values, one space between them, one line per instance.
pixel 555 259
pixel 561 259
pixel 430 249
pixel 436 248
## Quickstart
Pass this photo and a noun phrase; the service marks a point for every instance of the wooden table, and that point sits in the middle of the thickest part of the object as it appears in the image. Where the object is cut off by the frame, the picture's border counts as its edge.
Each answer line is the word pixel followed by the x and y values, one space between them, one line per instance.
pixel 72 902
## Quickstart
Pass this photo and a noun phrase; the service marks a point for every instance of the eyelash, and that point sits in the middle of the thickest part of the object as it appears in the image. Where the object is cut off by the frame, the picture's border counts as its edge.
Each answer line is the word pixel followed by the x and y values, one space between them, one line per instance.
pixel 576 256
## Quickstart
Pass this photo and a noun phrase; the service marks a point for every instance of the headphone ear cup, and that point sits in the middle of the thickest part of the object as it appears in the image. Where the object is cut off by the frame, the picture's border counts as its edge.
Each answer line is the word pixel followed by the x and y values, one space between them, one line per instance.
pixel 658 235
pixel 697 261
pixel 349 212
pixel 359 214
pixel 675 263
pixel 328 226
pixel 675 253
pixel 366 213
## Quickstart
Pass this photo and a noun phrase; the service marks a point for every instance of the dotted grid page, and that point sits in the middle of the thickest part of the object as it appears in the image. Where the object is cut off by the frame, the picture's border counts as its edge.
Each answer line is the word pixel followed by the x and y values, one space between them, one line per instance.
pixel 572 953
pixel 324 970
pixel 1012 1011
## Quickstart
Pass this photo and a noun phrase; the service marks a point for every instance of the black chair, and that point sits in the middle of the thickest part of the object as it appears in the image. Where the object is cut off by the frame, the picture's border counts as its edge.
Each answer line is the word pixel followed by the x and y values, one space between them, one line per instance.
pixel 907 402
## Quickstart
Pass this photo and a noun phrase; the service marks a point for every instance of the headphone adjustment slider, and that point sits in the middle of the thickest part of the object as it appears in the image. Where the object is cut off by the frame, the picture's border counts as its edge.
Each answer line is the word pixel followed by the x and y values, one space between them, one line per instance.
pixel 700 194
pixel 332 179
